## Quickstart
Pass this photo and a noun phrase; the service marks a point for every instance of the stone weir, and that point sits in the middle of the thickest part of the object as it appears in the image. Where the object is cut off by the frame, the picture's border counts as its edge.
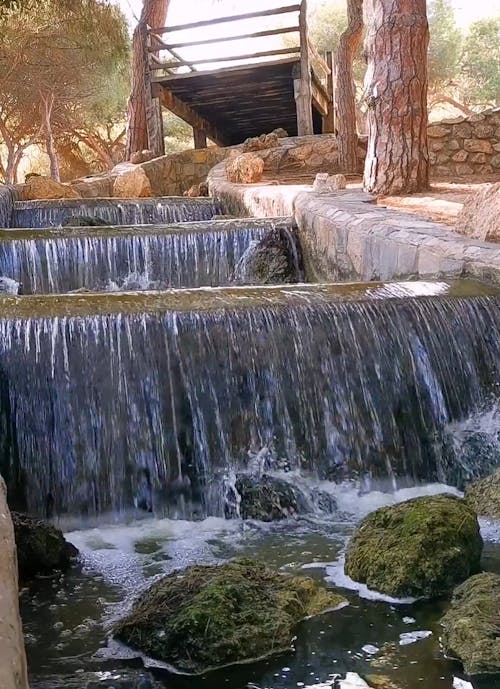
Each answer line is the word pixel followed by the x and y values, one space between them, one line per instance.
pixel 130 258
pixel 114 400
pixel 54 213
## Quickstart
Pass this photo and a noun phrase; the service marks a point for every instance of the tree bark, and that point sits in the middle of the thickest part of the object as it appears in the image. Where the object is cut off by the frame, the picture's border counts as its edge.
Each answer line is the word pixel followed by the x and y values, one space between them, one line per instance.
pixel 349 43
pixel 397 161
pixel 154 14
pixel 48 104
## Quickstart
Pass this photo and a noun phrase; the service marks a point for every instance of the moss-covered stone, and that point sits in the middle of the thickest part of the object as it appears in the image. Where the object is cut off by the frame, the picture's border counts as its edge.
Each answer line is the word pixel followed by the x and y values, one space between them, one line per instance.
pixel 268 499
pixel 41 548
pixel 484 495
pixel 471 627
pixel 421 547
pixel 209 616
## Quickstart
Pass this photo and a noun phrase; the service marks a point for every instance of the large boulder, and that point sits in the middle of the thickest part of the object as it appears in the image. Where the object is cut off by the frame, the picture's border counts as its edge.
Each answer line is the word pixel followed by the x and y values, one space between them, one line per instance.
pixel 262 142
pixel 13 672
pixel 269 261
pixel 210 616
pixel 133 183
pixel 41 548
pixel 421 547
pixel 471 627
pixel 266 499
pixel 38 187
pixel 245 168
pixel 484 496
pixel 480 216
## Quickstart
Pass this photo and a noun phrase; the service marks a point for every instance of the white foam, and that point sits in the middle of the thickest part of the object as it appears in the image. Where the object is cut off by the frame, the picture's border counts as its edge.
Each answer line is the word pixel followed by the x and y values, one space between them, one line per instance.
pixel 408 638
pixel 335 575
pixel 490 529
pixel 461 684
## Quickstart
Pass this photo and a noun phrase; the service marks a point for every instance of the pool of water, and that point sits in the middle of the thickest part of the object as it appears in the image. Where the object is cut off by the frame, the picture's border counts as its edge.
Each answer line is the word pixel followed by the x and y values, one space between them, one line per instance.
pixel 66 618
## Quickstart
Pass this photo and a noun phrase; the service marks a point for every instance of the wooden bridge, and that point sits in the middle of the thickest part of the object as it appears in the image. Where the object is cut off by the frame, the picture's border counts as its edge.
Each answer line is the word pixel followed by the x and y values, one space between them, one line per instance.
pixel 289 86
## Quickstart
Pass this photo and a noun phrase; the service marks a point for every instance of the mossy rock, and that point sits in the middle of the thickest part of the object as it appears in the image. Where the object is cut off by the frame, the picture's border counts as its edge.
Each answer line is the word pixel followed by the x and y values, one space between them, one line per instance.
pixel 41 548
pixel 484 496
pixel 471 627
pixel 206 617
pixel 84 221
pixel 269 261
pixel 421 547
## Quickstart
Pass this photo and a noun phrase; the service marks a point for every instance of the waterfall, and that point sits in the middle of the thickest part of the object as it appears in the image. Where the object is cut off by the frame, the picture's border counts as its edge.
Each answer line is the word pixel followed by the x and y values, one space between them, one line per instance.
pixel 194 255
pixel 103 406
pixel 7 200
pixel 40 214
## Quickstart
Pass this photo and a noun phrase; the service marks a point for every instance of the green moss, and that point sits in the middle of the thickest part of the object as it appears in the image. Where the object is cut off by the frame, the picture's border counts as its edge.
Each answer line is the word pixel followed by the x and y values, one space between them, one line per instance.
pixel 209 616
pixel 484 495
pixel 421 547
pixel 471 627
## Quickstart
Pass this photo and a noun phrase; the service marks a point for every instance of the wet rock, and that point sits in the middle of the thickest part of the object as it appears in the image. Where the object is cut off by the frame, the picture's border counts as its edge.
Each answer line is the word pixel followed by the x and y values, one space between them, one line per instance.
pixel 484 496
pixel 84 221
pixel 132 184
pixel 246 168
pixel 471 627
pixel 38 187
pixel 421 547
pixel 268 499
pixel 107 679
pixel 270 261
pixel 41 548
pixel 210 616
pixel 480 216
pixel 10 286
pixel 13 673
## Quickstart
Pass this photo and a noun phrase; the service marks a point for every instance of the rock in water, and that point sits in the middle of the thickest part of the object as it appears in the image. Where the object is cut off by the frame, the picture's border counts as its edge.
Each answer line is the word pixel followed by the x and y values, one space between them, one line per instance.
pixel 41 548
pixel 210 616
pixel 83 221
pixel 270 261
pixel 421 547
pixel 268 499
pixel 10 286
pixel 484 496
pixel 471 627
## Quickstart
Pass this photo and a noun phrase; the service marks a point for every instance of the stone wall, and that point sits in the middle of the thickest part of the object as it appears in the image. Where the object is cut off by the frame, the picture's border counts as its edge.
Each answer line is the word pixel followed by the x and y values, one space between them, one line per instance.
pixel 466 147
pixel 345 237
pixel 13 673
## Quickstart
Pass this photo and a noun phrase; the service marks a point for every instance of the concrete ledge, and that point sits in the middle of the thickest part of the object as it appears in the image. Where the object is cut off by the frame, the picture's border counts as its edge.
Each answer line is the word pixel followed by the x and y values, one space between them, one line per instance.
pixel 346 237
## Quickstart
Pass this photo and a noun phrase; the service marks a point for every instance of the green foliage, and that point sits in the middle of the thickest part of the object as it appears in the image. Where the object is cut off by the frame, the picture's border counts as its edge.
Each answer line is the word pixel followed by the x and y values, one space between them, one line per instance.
pixel 445 45
pixel 481 60
pixel 328 23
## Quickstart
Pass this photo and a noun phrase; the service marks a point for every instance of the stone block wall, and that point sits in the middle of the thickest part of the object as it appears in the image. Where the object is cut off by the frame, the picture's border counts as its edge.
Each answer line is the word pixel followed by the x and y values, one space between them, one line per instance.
pixel 466 146
pixel 172 175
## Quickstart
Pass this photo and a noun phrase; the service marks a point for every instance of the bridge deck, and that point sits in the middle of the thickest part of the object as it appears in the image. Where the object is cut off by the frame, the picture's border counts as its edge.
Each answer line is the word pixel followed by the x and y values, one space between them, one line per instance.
pixel 229 104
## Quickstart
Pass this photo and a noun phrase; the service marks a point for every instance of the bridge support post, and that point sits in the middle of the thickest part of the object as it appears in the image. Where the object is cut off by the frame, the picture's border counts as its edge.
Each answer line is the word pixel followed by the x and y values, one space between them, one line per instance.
pixel 200 138
pixel 329 120
pixel 302 85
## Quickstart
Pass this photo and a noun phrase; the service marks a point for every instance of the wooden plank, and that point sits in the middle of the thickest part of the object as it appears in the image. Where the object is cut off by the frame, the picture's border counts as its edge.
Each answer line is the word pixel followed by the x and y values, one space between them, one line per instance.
pixel 233 58
pixel 186 113
pixel 226 71
pixel 224 20
pixel 319 97
pixel 329 120
pixel 224 39
pixel 302 85
pixel 199 137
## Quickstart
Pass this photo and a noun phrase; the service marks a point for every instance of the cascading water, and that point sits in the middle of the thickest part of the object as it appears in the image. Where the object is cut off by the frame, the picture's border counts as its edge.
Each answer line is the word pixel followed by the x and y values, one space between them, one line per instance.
pixel 191 255
pixel 40 214
pixel 7 200
pixel 104 408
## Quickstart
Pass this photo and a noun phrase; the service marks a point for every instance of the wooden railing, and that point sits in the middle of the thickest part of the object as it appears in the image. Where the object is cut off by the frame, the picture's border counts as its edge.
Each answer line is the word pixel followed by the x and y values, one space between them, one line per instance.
pixel 312 75
pixel 161 40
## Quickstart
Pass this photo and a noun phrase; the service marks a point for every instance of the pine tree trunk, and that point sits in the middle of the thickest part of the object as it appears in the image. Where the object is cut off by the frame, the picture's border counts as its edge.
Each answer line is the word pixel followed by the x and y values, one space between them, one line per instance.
pixel 349 43
pixel 397 161
pixel 154 14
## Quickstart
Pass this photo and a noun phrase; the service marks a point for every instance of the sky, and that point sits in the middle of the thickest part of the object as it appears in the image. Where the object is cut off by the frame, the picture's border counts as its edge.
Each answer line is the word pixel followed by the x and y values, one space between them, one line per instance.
pixel 191 10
